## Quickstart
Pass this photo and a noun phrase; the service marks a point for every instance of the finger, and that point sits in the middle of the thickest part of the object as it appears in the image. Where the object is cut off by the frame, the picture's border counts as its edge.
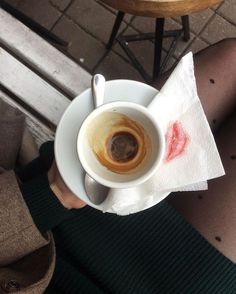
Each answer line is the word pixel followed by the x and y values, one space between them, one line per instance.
pixel 78 204
pixel 72 201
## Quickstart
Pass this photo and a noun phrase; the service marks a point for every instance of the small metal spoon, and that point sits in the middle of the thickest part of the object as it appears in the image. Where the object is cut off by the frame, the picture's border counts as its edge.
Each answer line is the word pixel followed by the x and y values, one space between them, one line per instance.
pixel 96 192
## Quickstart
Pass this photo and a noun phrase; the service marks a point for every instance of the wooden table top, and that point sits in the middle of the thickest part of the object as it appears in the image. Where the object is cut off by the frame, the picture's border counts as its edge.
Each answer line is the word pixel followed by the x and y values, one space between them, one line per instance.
pixel 161 8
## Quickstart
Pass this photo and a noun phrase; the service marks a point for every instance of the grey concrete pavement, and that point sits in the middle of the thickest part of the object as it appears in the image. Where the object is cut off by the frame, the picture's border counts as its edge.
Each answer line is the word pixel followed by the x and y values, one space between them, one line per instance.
pixel 86 25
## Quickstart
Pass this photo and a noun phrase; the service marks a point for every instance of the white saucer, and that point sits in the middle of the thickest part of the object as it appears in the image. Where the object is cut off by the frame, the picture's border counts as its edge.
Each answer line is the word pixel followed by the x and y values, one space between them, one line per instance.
pixel 66 135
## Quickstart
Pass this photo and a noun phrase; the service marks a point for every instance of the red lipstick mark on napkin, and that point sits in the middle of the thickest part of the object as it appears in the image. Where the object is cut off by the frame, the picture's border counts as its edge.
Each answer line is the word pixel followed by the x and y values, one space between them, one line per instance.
pixel 176 141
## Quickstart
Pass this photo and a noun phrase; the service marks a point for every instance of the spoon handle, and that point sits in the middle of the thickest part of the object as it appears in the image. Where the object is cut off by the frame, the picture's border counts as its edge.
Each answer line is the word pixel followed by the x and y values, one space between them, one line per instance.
pixel 95 191
pixel 98 89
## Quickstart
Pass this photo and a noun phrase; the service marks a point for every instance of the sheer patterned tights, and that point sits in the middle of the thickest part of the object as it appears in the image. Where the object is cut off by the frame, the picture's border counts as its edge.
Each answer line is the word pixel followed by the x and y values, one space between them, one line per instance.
pixel 213 212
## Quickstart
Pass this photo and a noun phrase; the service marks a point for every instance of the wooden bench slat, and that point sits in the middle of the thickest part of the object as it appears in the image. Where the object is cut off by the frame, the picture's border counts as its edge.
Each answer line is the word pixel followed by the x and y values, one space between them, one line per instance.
pixel 31 89
pixel 41 55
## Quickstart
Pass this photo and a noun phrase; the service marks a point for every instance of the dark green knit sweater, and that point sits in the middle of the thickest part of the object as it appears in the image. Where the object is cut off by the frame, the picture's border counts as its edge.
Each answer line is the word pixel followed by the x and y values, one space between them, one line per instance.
pixel 154 251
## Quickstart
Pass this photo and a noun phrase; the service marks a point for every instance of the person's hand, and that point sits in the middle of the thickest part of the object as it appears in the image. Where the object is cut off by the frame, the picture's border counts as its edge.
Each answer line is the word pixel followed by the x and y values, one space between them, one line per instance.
pixel 61 191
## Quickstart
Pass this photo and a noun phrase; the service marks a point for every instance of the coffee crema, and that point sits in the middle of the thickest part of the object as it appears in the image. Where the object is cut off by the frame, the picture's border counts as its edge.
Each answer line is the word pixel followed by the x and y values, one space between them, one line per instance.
pixel 119 143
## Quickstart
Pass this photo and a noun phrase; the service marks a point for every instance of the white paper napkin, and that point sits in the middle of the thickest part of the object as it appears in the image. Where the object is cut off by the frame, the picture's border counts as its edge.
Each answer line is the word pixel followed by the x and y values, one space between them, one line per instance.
pixel 191 155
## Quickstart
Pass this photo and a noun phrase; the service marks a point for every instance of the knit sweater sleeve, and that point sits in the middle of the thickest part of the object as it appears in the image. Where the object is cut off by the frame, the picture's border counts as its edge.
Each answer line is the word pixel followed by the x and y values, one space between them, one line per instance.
pixel 45 208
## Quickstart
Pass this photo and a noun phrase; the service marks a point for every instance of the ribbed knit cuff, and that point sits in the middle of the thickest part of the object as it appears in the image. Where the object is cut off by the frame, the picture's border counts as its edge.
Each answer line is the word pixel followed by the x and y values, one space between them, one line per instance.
pixel 46 210
pixel 39 165
pixel 31 170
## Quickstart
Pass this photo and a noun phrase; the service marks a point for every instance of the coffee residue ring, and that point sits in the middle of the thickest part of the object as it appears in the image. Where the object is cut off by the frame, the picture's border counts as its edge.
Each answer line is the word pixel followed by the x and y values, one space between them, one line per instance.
pixel 122 146
pixel 124 167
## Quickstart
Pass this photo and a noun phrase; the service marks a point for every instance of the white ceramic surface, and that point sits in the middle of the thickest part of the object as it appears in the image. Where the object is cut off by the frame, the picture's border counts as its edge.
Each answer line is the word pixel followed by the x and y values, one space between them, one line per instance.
pixel 67 131
pixel 103 175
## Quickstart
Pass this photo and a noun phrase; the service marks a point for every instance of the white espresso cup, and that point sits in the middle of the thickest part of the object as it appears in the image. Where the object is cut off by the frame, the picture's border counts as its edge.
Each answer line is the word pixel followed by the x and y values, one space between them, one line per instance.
pixel 120 144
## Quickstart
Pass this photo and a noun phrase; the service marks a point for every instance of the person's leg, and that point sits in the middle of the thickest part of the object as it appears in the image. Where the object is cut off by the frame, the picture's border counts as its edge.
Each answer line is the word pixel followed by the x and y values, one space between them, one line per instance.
pixel 213 212
pixel 215 71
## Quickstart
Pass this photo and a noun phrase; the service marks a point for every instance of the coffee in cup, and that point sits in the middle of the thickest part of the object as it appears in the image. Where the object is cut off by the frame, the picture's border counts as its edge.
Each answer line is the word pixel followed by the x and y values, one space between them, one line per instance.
pixel 120 144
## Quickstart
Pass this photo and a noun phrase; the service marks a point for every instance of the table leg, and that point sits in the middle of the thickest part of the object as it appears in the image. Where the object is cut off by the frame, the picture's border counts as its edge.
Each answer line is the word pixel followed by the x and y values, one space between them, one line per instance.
pixel 185 22
pixel 159 31
pixel 115 28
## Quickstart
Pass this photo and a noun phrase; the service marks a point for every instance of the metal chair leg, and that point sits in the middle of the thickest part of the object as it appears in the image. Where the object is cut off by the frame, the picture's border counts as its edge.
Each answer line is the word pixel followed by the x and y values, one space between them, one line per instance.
pixel 159 31
pixel 185 22
pixel 115 28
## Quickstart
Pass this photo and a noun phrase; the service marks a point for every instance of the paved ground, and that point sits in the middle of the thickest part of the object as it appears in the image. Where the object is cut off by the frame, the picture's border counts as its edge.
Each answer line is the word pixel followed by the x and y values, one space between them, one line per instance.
pixel 86 25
